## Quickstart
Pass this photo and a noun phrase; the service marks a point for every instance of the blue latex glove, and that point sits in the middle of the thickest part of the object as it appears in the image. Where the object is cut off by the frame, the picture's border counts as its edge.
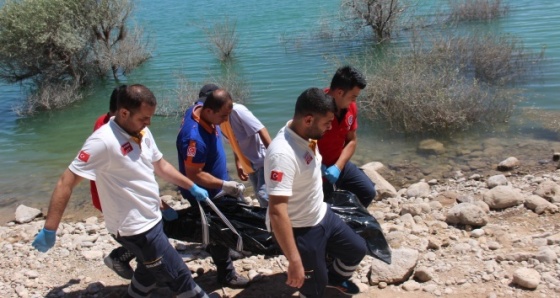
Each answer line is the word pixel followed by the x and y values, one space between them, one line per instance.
pixel 44 240
pixel 332 174
pixel 169 214
pixel 198 193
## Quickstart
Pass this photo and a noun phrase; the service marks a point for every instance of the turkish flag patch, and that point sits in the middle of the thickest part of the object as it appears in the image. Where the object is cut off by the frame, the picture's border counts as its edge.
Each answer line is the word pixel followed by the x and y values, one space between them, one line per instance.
pixel 126 148
pixel 276 176
pixel 191 151
pixel 83 156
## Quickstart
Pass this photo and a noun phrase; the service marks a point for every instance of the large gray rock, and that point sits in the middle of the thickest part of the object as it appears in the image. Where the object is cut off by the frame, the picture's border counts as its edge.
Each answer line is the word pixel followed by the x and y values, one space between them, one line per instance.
pixel 508 164
pixel 546 255
pixel 540 205
pixel 383 188
pixel 549 190
pixel 404 261
pixel 467 214
pixel 26 214
pixel 420 189
pixel 431 146
pixel 416 209
pixel 501 197
pixel 527 278
pixel 496 180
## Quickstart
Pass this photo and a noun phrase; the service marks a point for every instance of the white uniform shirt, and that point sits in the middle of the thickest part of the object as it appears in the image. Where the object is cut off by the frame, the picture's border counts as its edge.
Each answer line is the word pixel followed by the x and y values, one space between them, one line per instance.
pixel 124 174
pixel 246 129
pixel 292 169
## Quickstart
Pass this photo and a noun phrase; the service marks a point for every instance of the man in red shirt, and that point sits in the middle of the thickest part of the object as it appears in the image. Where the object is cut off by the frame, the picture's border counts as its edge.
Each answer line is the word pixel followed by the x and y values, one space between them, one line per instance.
pixel 339 144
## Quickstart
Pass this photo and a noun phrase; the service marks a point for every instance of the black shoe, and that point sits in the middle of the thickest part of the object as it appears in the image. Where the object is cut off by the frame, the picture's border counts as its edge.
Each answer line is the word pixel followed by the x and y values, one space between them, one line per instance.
pixel 234 280
pixel 123 269
pixel 235 255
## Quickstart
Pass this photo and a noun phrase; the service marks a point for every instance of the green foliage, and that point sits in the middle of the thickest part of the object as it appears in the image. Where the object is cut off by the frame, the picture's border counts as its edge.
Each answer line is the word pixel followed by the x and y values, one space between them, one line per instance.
pixel 66 43
pixel 448 83
pixel 43 39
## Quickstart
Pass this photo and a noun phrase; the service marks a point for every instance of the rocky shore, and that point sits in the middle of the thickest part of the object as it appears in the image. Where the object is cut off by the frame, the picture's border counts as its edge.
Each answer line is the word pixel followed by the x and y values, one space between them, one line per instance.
pixel 465 236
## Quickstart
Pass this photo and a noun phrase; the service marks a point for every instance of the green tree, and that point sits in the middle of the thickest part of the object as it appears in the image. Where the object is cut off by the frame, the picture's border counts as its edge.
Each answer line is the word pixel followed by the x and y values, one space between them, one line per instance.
pixel 67 42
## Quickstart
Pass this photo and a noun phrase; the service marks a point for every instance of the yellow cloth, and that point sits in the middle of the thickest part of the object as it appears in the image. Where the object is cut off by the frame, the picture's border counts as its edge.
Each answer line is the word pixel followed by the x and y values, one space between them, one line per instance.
pixel 138 139
pixel 313 145
pixel 228 133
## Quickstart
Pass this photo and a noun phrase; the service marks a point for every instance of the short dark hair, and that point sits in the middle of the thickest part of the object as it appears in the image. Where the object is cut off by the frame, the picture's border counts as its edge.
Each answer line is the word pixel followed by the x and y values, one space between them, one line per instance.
pixel 347 78
pixel 216 100
pixel 205 90
pixel 114 97
pixel 314 101
pixel 133 96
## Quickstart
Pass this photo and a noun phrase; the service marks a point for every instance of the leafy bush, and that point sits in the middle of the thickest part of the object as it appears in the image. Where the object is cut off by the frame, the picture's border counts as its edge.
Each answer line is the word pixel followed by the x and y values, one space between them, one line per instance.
pixel 44 39
pixel 476 10
pixel 50 96
pixel 448 83
pixel 416 94
pixel 490 58
pixel 66 43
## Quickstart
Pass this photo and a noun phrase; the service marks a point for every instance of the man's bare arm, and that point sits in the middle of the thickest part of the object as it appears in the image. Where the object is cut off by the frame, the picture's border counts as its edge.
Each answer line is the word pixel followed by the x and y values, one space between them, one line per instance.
pixel 282 229
pixel 60 197
pixel 348 151
pixel 265 137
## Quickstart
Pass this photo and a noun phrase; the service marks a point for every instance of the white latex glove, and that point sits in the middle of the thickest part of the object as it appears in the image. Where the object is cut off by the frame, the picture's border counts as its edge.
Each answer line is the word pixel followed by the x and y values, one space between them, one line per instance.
pixel 233 188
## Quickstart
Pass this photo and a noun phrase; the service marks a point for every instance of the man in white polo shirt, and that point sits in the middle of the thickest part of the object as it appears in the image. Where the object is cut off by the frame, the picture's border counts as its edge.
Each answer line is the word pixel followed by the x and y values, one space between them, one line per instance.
pixel 122 158
pixel 303 225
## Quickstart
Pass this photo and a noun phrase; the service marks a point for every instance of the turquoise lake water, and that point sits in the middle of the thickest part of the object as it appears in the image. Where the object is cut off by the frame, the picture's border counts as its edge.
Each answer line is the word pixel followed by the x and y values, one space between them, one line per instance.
pixel 277 56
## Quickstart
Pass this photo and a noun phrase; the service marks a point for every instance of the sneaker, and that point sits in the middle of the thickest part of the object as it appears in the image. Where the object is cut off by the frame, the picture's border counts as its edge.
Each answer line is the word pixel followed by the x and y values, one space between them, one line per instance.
pixel 234 281
pixel 346 287
pixel 122 269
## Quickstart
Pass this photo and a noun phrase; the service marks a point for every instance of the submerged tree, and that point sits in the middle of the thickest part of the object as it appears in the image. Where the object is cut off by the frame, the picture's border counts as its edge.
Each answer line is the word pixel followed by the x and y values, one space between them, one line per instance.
pixel 66 42
pixel 378 15
pixel 222 38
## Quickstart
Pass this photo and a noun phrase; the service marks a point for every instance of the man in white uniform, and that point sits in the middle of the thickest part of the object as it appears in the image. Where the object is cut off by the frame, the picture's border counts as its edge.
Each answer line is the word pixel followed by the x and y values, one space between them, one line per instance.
pixel 304 226
pixel 122 158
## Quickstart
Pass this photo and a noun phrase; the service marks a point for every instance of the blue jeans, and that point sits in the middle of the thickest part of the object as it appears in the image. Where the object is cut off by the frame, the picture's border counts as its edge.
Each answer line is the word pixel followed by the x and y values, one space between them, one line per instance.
pixel 158 261
pixel 257 180
pixel 334 237
pixel 353 179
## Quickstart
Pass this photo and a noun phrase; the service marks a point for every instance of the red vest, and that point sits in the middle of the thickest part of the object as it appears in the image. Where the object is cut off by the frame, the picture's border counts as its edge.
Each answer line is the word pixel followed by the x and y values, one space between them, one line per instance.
pixel 334 140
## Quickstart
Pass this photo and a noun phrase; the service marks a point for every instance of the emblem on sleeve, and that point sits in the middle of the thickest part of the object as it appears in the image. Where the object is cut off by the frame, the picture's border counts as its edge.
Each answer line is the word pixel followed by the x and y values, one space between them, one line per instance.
pixel 126 148
pixel 276 176
pixel 350 120
pixel 83 156
pixel 191 151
